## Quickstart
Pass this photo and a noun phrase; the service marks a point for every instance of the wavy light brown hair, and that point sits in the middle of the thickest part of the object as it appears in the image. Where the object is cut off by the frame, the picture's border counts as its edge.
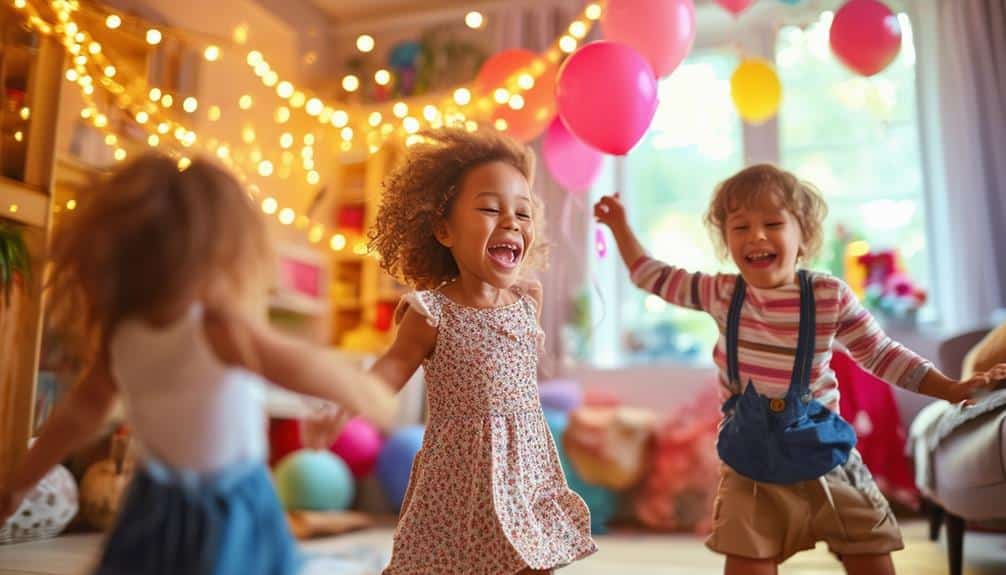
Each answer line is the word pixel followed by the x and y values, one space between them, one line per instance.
pixel 748 186
pixel 152 238
pixel 421 192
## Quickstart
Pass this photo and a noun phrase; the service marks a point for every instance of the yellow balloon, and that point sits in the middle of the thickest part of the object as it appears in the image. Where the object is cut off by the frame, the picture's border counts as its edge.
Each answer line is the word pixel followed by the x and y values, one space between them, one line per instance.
pixel 756 90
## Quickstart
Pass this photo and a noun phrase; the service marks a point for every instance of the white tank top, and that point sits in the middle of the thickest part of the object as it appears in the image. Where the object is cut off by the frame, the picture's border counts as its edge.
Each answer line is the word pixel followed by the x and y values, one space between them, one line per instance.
pixel 186 408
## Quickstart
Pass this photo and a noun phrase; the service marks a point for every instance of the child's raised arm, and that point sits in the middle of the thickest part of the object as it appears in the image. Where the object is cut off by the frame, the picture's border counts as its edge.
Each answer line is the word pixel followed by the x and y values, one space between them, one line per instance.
pixel 298 366
pixel 75 422
pixel 673 284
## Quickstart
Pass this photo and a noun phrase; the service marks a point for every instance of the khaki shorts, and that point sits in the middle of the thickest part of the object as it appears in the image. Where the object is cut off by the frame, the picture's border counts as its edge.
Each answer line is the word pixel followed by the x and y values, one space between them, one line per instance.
pixel 770 521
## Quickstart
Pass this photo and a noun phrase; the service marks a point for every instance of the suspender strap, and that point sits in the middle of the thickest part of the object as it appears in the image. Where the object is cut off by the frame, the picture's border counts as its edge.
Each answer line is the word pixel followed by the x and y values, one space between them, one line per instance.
pixel 804 360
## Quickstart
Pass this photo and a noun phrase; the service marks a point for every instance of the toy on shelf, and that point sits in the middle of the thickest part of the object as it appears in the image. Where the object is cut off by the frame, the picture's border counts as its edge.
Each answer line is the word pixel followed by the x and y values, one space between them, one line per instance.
pixel 105 483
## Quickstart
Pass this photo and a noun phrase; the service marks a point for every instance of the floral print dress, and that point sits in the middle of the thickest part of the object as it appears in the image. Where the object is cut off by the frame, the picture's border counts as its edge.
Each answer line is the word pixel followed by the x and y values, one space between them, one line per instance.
pixel 487 494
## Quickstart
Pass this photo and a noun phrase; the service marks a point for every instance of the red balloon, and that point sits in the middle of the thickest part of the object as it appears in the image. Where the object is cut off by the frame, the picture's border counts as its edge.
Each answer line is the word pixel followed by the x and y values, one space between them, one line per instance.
pixel 530 120
pixel 607 95
pixel 735 7
pixel 865 36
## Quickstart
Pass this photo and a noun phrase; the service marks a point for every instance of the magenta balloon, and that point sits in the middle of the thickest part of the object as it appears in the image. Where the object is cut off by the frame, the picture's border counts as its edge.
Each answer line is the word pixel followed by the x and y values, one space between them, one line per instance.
pixel 662 31
pixel 865 35
pixel 572 163
pixel 607 95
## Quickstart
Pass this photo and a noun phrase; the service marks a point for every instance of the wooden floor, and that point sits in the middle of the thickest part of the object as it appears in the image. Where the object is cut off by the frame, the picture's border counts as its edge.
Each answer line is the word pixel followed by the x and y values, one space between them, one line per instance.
pixel 620 553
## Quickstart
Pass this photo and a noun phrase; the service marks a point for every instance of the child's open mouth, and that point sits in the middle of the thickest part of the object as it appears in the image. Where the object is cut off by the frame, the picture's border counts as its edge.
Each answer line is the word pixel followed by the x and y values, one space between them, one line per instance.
pixel 506 254
pixel 760 259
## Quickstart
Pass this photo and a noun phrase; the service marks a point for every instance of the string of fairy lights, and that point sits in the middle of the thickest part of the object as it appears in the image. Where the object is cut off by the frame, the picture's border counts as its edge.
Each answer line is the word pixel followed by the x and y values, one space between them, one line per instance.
pixel 167 120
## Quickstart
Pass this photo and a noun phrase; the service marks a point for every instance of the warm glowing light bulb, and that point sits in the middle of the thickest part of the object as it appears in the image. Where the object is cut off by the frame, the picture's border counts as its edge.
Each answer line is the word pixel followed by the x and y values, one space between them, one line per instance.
pixel 474 20
pixel 211 53
pixel 365 43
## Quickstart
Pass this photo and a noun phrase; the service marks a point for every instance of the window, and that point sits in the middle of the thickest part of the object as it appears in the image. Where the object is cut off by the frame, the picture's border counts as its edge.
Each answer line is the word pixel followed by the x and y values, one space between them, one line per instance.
pixel 857 139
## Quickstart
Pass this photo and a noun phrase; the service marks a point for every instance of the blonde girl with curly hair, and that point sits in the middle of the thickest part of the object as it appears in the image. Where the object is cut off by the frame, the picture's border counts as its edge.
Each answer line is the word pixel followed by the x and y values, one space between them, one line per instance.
pixel 460 223
pixel 790 475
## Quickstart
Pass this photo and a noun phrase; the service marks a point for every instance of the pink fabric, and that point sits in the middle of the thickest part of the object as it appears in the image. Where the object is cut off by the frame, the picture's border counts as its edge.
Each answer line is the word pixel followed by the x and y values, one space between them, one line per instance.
pixel 867 402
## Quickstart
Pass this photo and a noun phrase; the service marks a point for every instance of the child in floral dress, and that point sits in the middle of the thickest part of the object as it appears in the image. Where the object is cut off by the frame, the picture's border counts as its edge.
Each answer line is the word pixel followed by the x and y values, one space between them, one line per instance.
pixel 487 494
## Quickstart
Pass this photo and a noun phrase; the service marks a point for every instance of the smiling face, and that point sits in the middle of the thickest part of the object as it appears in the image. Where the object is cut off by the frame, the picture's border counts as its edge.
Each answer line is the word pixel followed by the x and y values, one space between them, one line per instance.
pixel 490 227
pixel 764 240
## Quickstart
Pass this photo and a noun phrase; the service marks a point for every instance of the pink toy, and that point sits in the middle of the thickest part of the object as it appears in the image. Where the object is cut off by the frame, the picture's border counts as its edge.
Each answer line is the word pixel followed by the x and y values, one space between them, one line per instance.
pixel 358 445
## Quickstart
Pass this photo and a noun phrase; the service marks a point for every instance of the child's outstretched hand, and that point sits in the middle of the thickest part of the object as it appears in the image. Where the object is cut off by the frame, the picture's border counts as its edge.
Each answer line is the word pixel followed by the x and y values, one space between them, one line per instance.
pixel 320 430
pixel 979 385
pixel 610 212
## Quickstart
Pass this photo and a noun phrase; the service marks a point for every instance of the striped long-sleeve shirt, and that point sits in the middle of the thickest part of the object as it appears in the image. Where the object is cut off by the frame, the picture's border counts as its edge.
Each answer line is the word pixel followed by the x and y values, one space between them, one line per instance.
pixel 769 330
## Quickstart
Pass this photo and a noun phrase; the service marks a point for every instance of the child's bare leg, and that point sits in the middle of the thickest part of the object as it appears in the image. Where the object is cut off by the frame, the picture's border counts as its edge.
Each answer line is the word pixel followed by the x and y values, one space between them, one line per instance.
pixel 744 566
pixel 868 564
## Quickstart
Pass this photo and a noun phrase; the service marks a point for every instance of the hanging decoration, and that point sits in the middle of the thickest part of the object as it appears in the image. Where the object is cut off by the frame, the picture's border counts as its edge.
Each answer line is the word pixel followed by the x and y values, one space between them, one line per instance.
pixel 524 116
pixel 756 90
pixel 865 36
pixel 662 31
pixel 607 95
pixel 573 164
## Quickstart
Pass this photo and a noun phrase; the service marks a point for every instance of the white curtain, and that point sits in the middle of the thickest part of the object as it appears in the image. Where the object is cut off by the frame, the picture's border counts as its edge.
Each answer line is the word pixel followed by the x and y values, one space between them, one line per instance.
pixel 962 57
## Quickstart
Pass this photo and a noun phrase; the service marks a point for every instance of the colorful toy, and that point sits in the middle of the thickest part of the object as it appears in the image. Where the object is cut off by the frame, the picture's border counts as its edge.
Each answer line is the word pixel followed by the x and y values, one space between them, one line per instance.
pixel 358 445
pixel 45 511
pixel 394 464
pixel 315 480
pixel 609 446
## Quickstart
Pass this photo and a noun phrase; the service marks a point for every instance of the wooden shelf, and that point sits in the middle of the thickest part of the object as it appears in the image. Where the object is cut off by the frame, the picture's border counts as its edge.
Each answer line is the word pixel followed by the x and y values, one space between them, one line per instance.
pixel 298 304
pixel 23 203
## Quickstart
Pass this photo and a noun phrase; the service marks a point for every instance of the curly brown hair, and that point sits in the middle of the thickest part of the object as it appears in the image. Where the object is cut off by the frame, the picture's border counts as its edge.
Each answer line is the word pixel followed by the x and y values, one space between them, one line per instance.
pixel 745 189
pixel 421 192
pixel 150 238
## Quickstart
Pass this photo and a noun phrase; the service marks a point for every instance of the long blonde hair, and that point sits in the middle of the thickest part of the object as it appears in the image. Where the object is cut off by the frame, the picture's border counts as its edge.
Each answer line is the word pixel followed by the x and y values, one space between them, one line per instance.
pixel 152 237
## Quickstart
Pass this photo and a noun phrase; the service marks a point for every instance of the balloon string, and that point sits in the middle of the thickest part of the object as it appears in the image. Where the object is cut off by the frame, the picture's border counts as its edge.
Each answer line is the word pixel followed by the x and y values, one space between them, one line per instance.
pixel 575 201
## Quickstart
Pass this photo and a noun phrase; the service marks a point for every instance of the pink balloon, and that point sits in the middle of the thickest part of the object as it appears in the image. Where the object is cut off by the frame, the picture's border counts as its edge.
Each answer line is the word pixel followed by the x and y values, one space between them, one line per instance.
pixel 607 96
pixel 735 7
pixel 663 31
pixel 865 36
pixel 572 163
pixel 358 445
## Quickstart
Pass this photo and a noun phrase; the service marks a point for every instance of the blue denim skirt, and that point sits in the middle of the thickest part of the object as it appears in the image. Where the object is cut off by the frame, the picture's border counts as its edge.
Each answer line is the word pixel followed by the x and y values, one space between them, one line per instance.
pixel 183 523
